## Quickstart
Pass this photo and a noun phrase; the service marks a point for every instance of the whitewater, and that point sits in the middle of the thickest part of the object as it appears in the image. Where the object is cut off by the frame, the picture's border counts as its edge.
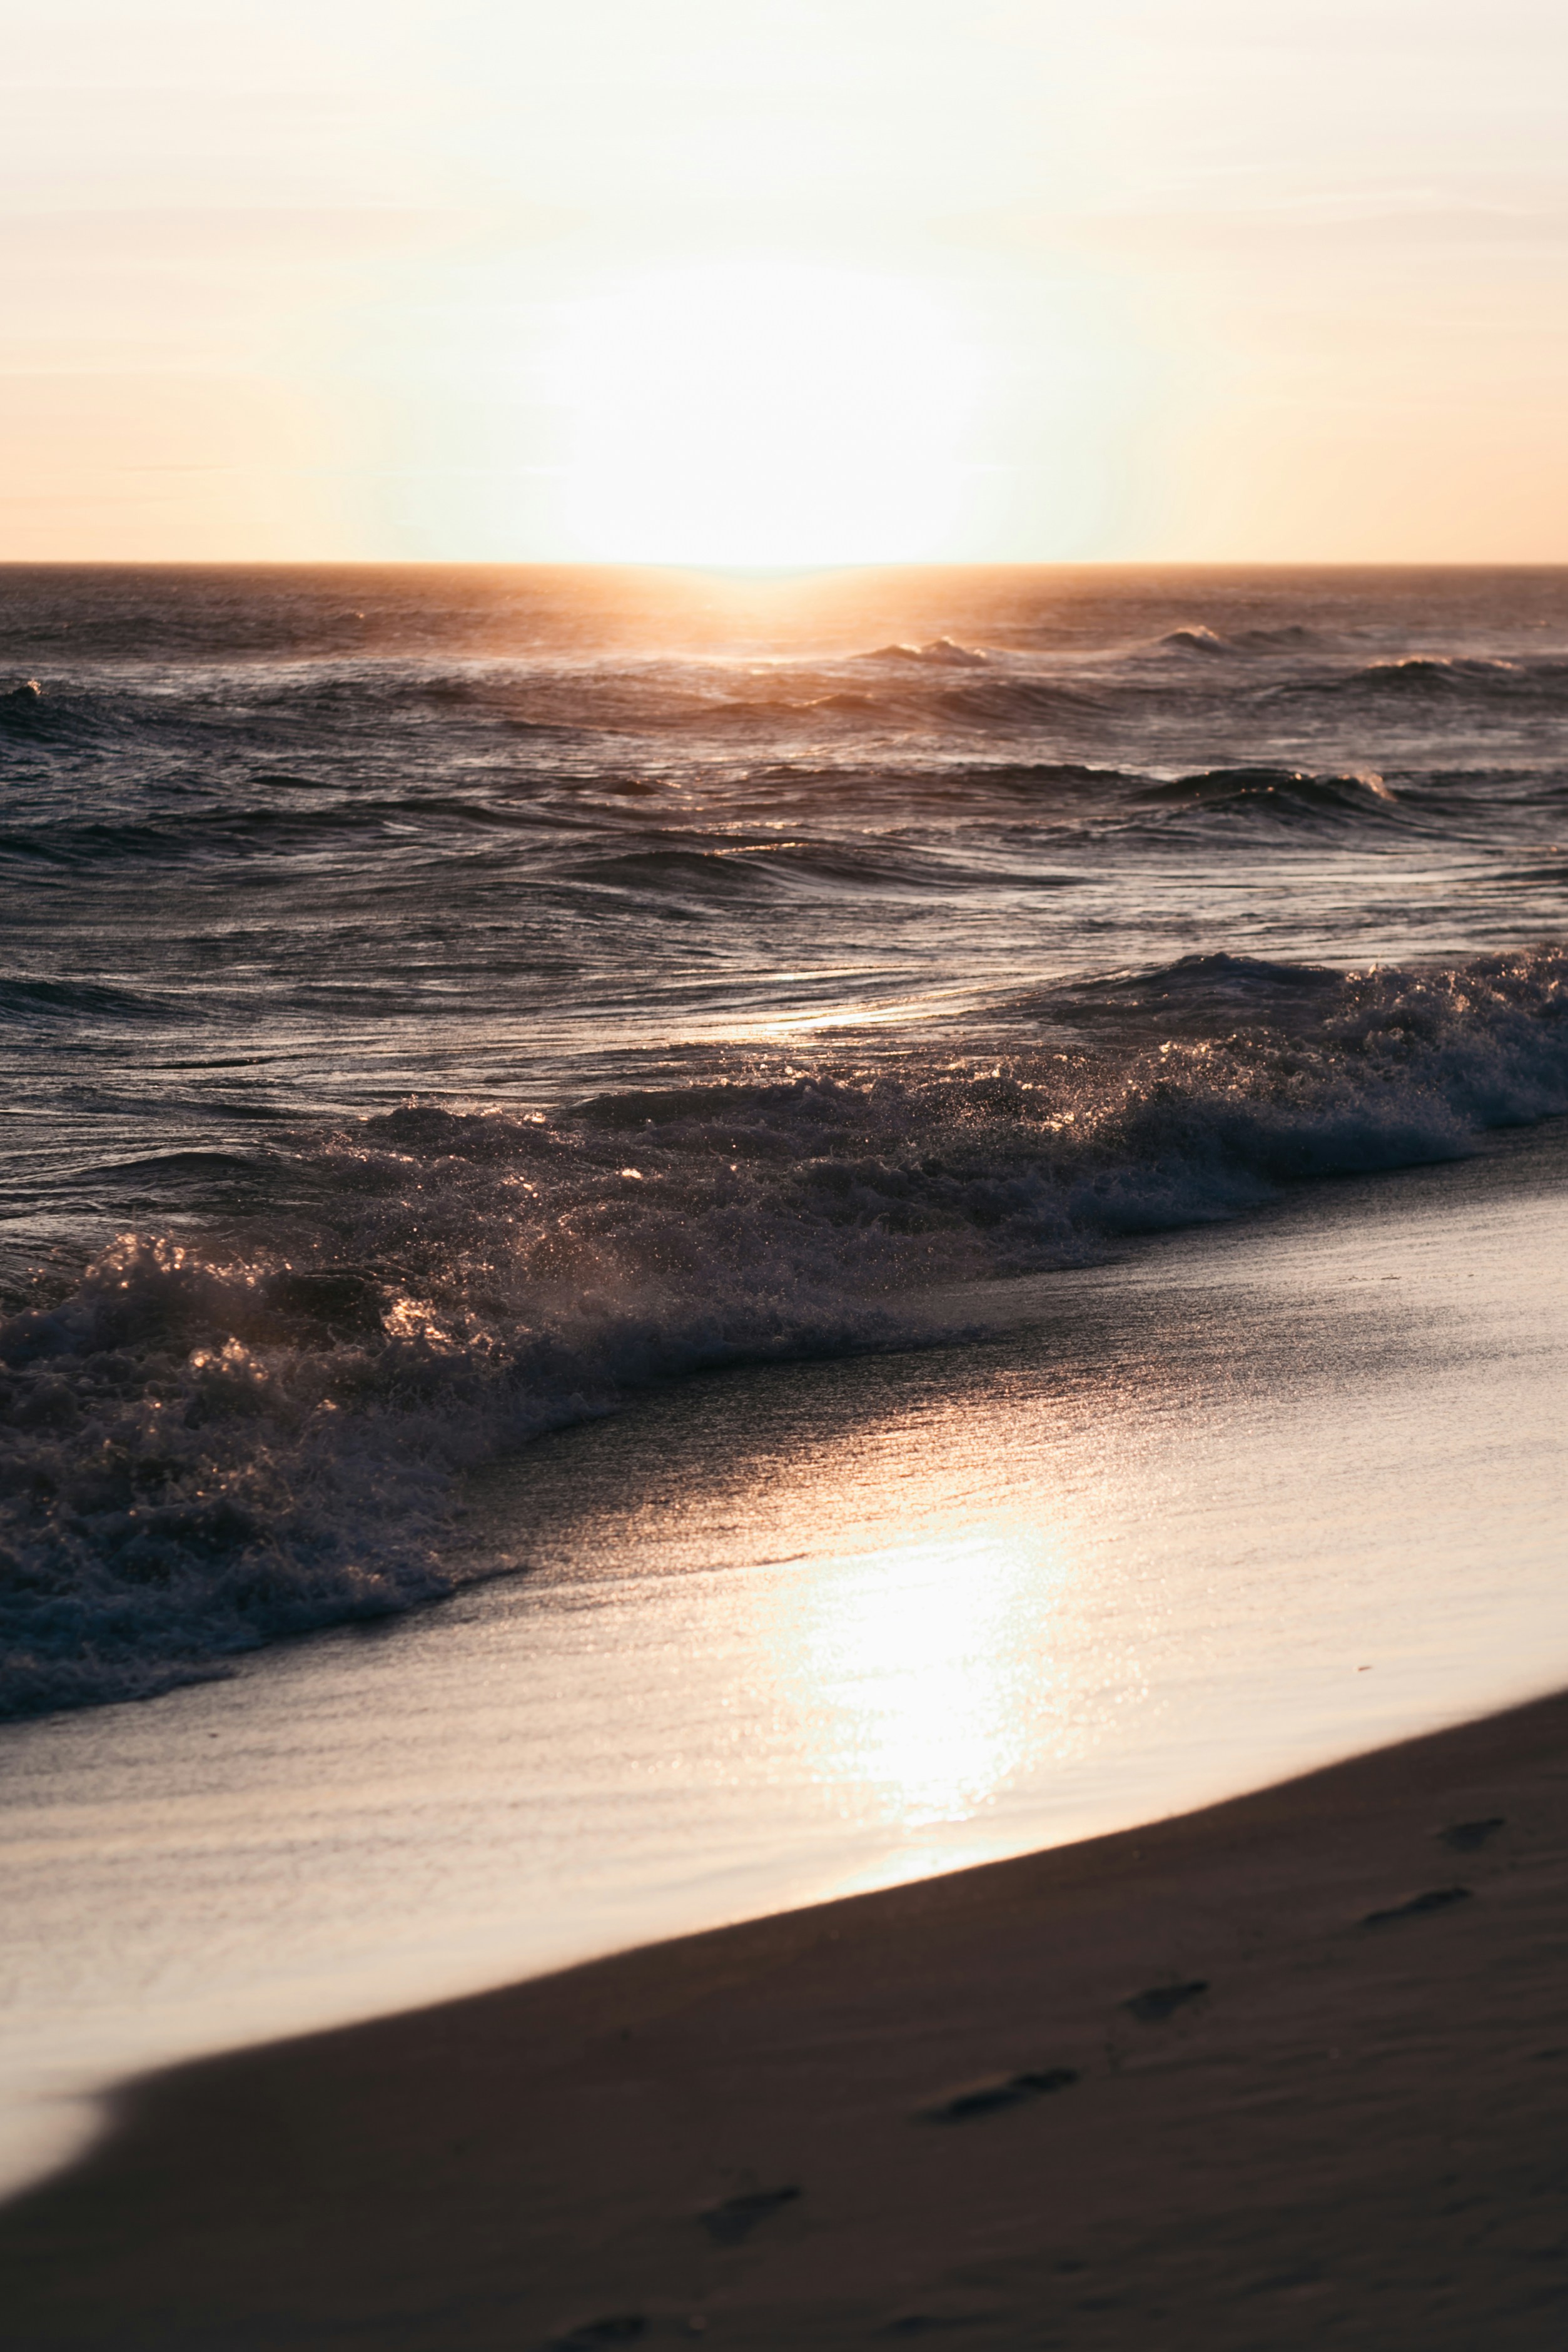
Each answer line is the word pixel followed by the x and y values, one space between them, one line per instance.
pixel 438 1007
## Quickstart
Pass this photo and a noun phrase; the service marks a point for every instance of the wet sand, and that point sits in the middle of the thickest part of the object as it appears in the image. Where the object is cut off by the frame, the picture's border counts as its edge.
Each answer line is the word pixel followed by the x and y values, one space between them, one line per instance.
pixel 1289 2071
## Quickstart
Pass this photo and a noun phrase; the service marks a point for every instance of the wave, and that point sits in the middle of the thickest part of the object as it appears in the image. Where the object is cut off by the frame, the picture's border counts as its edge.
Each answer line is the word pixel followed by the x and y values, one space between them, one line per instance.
pixel 945 653
pixel 679 868
pixel 920 688
pixel 1435 679
pixel 79 1000
pixel 1196 639
pixel 489 695
pixel 1426 673
pixel 355 744
pixel 33 722
pixel 1012 702
pixel 1037 780
pixel 241 831
pixel 758 869
pixel 1286 795
pixel 1287 637
pixel 208 1446
pixel 195 1179
pixel 360 721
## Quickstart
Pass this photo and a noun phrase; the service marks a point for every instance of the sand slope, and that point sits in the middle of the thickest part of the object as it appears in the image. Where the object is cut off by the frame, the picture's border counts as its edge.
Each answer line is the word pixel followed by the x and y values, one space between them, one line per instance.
pixel 808 2130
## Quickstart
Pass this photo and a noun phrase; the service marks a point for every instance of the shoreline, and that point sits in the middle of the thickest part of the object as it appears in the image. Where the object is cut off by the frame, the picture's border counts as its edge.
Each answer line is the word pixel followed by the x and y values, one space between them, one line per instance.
pixel 854 1623
pixel 946 2106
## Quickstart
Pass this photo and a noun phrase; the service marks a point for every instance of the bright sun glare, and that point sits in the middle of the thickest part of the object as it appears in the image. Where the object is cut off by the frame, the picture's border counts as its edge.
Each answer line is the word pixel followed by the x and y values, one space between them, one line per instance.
pixel 764 413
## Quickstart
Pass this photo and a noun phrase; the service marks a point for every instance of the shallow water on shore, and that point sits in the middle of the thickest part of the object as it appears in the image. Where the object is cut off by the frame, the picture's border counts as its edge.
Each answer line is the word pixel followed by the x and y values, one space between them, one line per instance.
pixel 1157 1531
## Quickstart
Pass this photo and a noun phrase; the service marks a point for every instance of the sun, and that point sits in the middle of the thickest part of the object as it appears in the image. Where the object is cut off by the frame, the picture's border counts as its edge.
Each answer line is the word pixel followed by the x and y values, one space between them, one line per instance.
pixel 763 411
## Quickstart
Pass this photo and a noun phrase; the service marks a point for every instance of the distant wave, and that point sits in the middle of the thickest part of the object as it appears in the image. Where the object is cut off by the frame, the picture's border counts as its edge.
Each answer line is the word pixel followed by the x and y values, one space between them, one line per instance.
pixel 997 702
pixel 1196 639
pixel 236 831
pixel 320 829
pixel 84 1000
pixel 679 867
pixel 212 1445
pixel 759 869
pixel 1288 637
pixel 1281 794
pixel 1423 678
pixel 354 740
pixel 944 653
pixel 360 746
pixel 252 721
pixel 1419 673
pixel 32 719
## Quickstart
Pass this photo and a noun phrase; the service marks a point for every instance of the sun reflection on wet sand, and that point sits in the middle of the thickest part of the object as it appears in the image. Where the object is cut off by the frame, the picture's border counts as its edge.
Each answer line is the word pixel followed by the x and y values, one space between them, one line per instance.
pixel 925 1670
pixel 939 1605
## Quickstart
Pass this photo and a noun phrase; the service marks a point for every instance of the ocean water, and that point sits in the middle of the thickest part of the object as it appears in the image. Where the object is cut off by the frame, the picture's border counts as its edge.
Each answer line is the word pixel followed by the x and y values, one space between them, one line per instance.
pixel 439 1004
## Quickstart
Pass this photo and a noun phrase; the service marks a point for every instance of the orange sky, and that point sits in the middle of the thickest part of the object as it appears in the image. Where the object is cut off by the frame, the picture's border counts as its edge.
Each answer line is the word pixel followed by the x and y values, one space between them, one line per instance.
pixel 786 282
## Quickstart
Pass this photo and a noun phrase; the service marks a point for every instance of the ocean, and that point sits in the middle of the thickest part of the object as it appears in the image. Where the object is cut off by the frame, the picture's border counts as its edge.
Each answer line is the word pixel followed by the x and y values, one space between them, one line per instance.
pixel 440 1004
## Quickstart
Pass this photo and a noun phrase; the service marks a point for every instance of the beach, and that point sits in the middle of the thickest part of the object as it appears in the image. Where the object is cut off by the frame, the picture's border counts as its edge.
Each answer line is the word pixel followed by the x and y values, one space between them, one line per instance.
pixel 1286 2071
pixel 1247 1500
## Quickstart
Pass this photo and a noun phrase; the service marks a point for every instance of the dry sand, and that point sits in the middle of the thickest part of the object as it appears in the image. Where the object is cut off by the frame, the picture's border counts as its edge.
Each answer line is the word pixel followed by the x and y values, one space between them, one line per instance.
pixel 1292 2071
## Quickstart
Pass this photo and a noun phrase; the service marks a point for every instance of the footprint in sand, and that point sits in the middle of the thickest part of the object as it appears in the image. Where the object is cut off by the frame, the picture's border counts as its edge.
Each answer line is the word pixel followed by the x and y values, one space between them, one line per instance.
pixel 1160 2001
pixel 619 2327
pixel 996 2092
pixel 932 2323
pixel 1464 1837
pixel 1436 1898
pixel 728 2223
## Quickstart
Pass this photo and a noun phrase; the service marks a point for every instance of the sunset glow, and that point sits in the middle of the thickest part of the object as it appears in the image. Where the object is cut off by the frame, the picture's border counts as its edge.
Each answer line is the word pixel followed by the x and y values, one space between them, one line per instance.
pixel 796 285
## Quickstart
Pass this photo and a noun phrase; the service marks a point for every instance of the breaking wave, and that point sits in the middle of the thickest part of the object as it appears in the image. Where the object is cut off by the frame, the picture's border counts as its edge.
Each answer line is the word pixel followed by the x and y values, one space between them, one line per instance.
pixel 209 1445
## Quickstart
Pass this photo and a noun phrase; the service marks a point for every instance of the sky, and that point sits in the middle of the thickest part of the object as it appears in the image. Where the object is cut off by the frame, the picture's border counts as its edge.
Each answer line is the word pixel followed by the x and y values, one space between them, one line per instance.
pixel 780 283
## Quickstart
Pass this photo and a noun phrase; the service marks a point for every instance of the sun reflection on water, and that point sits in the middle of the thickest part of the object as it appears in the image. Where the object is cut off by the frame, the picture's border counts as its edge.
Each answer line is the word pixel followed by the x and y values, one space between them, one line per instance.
pixel 925 1669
